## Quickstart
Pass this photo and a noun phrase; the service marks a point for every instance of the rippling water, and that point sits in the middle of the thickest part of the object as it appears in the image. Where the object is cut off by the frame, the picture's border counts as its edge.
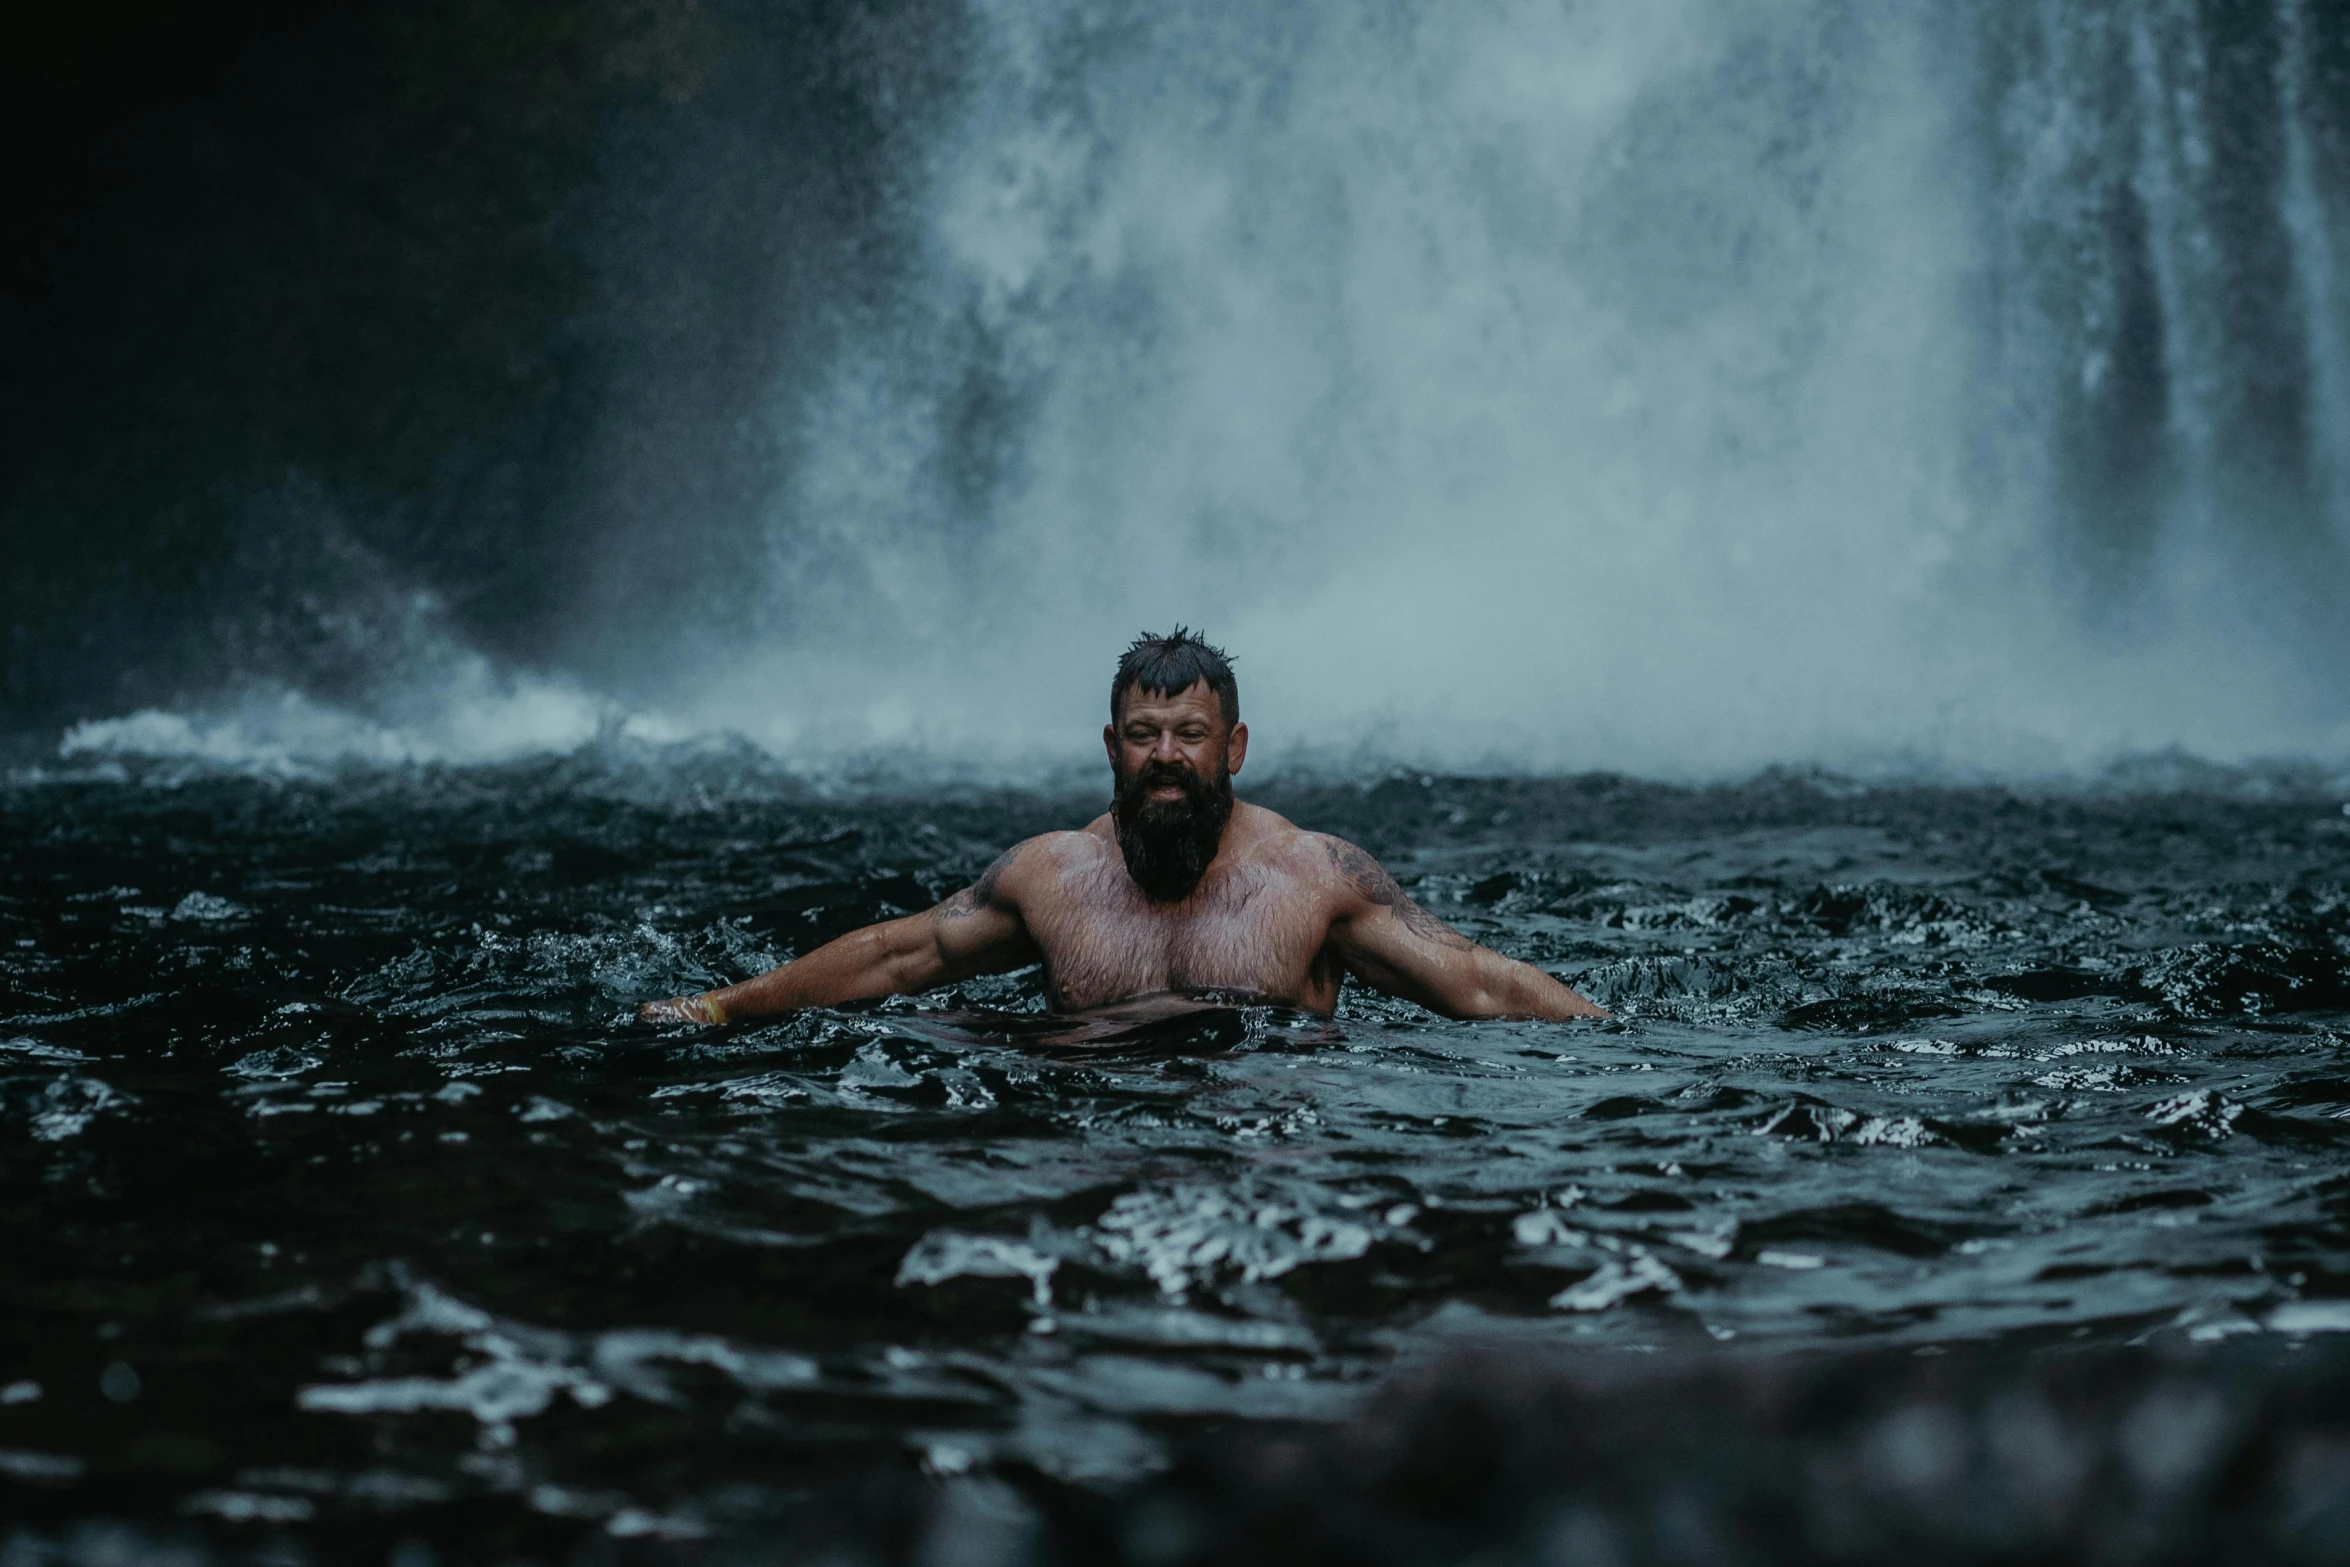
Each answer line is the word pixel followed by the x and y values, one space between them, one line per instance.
pixel 345 1207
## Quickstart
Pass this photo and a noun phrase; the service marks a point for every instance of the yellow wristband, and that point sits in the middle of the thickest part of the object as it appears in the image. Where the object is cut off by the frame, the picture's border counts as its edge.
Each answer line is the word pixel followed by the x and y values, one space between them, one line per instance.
pixel 709 1001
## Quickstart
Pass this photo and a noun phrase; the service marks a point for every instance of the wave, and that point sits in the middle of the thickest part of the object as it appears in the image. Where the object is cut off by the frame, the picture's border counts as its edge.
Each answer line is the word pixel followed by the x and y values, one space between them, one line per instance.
pixel 284 734
pixel 479 718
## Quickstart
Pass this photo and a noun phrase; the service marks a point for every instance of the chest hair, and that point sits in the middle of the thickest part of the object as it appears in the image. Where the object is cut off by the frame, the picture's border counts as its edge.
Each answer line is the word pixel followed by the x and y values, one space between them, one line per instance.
pixel 1248 927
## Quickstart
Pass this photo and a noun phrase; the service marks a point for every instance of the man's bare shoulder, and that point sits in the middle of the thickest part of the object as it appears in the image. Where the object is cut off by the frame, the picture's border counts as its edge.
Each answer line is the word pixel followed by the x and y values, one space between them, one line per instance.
pixel 1350 872
pixel 1050 855
pixel 1331 865
pixel 1025 865
pixel 1254 825
pixel 1363 888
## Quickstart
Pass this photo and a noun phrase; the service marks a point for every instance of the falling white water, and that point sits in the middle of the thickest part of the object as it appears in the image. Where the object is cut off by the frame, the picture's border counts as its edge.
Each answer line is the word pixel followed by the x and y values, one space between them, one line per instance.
pixel 1560 385
pixel 1676 386
pixel 2318 264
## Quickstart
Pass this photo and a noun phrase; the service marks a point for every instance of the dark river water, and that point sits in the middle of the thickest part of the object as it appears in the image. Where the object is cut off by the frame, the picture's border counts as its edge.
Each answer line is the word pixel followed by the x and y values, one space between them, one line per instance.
pixel 348 1216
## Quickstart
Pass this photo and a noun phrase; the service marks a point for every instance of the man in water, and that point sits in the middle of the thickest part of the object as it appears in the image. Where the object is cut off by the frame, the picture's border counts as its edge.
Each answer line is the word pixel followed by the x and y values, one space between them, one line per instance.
pixel 1177 887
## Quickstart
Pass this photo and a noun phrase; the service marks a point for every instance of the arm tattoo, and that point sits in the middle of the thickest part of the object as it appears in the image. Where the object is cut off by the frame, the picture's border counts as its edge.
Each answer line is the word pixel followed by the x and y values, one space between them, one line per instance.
pixel 1370 878
pixel 1368 875
pixel 980 893
pixel 1428 927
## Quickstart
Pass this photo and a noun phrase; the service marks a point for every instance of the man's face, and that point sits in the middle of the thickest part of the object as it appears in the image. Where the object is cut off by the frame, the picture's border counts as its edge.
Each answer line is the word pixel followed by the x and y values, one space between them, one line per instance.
pixel 1174 761
pixel 1164 733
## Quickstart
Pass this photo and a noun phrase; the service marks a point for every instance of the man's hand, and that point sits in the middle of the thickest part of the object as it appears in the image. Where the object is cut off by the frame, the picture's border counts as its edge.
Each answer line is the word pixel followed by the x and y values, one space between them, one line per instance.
pixel 682 1009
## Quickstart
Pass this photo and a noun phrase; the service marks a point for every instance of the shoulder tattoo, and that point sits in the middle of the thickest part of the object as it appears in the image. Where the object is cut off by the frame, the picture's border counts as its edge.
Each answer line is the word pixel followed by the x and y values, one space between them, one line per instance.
pixel 1368 875
pixel 1371 879
pixel 980 893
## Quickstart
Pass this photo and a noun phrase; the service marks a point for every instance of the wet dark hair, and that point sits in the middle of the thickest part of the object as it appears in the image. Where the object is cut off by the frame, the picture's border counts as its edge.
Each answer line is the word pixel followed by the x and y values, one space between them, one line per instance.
pixel 1173 664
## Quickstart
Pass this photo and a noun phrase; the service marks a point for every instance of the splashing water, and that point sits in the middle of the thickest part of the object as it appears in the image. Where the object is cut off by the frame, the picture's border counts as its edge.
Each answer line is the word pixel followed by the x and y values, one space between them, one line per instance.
pixel 334 1154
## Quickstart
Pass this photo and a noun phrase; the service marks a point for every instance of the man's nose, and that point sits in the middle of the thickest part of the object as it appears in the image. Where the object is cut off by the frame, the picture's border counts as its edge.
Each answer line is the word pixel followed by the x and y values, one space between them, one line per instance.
pixel 1166 750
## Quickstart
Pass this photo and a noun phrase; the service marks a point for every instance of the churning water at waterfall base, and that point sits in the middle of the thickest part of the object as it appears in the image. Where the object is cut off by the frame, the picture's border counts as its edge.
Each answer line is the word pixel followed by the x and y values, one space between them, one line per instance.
pixel 350 1209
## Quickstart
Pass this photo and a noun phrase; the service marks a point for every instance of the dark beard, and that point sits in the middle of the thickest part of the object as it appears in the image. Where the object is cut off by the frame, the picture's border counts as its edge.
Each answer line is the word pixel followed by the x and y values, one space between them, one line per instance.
pixel 1168 843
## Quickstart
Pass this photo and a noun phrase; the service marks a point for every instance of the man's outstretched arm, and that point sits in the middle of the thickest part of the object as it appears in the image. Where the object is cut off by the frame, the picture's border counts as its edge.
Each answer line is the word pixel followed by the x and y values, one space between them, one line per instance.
pixel 977 931
pixel 1392 943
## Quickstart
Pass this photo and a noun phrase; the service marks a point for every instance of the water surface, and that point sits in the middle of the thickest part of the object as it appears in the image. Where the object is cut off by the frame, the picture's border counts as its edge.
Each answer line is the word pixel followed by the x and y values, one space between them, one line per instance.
pixel 347 1208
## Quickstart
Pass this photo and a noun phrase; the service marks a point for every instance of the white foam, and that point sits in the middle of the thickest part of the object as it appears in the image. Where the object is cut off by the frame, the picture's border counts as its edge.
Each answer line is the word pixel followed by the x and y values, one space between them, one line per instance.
pixel 522 1370
pixel 1794 1261
pixel 37 1050
pixel 2311 1316
pixel 1903 1131
pixel 1187 1236
pixel 205 908
pixel 629 1359
pixel 1545 1227
pixel 2204 1110
pixel 68 1105
pixel 1618 1280
pixel 466 713
pixel 494 1394
pixel 947 1254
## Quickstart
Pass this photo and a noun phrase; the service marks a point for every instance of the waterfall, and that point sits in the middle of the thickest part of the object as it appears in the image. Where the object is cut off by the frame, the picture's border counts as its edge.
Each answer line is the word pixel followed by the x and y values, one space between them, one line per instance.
pixel 2316 229
pixel 1670 385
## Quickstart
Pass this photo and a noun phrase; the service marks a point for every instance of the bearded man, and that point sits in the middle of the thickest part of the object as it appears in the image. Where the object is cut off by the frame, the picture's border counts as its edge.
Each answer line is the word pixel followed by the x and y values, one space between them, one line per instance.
pixel 1179 887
